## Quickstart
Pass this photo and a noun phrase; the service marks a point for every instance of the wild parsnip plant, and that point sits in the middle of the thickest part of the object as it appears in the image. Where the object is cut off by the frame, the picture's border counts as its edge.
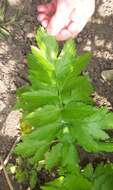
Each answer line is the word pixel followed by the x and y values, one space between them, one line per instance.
pixel 59 108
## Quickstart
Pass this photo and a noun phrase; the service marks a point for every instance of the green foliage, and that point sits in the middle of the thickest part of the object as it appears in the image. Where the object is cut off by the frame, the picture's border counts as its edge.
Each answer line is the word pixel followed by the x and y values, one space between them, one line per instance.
pixel 70 182
pixel 101 178
pixel 58 106
pixel 21 175
pixel 33 178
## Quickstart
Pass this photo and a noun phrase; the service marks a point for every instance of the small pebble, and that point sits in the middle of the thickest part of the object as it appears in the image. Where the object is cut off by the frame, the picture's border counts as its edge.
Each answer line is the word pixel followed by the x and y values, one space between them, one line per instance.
pixel 107 75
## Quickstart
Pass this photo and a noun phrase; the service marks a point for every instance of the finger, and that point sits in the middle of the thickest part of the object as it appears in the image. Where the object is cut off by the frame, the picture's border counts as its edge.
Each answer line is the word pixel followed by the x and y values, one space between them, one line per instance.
pixel 64 34
pixel 42 17
pixel 84 8
pixel 69 32
pixel 45 23
pixel 80 16
pixel 79 21
pixel 42 8
pixel 49 8
pixel 59 20
pixel 73 29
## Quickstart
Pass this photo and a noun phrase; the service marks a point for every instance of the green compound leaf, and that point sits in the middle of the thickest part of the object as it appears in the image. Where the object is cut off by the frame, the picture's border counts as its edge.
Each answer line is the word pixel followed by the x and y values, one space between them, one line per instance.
pixel 82 62
pixel 54 156
pixel 43 116
pixel 70 158
pixel 88 121
pixel 70 182
pixel 64 63
pixel 39 98
pixel 58 106
pixel 54 185
pixel 33 179
pixel 103 178
pixel 47 44
pixel 74 182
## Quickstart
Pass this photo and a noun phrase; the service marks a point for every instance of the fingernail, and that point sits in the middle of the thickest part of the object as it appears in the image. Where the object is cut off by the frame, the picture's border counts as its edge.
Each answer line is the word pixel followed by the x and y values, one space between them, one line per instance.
pixel 44 23
pixel 40 17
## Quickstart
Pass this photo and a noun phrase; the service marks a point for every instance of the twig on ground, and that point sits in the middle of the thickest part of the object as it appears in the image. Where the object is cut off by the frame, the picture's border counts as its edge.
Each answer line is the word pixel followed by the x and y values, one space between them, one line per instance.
pixel 6 175
pixel 9 154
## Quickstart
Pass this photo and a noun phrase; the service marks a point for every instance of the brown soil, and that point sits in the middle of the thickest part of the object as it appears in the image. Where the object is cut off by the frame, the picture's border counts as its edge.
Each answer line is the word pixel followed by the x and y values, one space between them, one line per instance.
pixel 96 37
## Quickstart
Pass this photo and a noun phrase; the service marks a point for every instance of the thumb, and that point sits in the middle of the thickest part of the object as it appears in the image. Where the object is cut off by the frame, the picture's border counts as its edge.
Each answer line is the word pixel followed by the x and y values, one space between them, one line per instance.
pixel 59 20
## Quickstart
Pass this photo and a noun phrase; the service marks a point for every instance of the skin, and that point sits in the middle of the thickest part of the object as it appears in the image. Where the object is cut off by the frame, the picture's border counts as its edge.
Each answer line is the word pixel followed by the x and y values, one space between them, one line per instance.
pixel 65 19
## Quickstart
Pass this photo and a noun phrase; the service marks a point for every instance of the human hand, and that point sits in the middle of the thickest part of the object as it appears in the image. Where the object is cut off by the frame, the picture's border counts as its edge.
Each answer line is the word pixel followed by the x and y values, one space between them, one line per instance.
pixel 65 19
